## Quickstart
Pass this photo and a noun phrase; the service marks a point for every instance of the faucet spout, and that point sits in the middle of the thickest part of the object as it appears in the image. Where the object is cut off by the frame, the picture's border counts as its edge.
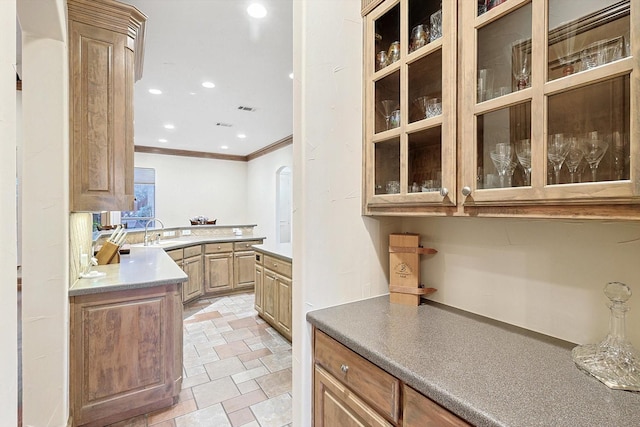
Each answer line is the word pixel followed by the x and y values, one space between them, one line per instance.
pixel 146 231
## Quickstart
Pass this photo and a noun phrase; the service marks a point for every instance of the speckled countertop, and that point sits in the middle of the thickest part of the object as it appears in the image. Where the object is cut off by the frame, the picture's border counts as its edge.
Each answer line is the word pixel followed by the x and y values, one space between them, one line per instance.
pixel 280 250
pixel 144 267
pixel 487 372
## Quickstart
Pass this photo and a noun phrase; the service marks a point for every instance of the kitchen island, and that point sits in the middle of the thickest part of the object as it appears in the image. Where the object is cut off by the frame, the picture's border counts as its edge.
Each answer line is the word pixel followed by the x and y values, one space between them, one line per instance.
pixel 486 372
pixel 126 338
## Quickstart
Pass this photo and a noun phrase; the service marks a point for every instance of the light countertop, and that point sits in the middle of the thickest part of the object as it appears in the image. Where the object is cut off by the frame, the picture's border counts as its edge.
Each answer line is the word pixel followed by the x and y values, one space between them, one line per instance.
pixel 144 267
pixel 279 250
pixel 487 372
pixel 184 241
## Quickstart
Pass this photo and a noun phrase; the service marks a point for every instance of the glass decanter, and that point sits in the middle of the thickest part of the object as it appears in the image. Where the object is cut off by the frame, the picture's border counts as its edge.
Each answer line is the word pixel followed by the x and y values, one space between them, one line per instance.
pixel 614 361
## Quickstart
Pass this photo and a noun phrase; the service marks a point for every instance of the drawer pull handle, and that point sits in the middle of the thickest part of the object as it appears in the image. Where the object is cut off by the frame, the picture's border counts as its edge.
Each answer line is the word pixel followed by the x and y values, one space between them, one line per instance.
pixel 344 368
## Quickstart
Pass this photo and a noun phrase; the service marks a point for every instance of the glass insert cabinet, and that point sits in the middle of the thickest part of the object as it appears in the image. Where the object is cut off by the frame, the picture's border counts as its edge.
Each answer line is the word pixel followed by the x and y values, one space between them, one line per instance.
pixel 512 107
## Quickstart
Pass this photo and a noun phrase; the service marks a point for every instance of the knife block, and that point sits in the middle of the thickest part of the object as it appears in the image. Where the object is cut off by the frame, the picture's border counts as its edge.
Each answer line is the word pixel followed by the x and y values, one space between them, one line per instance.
pixel 404 269
pixel 108 254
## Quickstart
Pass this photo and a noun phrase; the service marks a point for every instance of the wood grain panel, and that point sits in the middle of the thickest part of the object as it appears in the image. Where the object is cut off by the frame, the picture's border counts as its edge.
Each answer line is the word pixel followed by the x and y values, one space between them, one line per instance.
pixel 123 343
pixel 284 306
pixel 372 384
pixel 243 269
pixel 420 411
pixel 218 272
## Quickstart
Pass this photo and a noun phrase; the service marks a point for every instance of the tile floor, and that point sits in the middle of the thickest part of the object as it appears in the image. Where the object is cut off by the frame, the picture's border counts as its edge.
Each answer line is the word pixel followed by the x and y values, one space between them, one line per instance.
pixel 237 370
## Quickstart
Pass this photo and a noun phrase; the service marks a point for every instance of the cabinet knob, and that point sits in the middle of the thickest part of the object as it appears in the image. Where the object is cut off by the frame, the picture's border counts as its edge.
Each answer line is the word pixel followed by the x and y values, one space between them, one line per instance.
pixel 466 191
pixel 218 247
pixel 444 191
pixel 344 368
pixel 275 265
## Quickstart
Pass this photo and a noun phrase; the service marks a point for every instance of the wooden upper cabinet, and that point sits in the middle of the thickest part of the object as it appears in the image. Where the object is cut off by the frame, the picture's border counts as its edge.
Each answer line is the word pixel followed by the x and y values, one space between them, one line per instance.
pixel 105 59
pixel 539 109
pixel 550 108
pixel 410 67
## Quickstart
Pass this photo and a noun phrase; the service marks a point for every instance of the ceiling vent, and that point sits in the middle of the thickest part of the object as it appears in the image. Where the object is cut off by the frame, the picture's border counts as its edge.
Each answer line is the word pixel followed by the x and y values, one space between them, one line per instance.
pixel 243 108
pixel 226 125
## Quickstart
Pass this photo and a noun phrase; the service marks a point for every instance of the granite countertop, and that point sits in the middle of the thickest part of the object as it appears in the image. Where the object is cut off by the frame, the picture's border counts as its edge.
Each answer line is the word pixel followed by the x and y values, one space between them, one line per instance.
pixel 144 267
pixel 280 250
pixel 488 372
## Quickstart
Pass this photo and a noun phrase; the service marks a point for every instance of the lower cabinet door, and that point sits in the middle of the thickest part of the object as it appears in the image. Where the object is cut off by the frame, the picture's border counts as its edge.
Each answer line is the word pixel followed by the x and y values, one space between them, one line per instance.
pixel 259 289
pixel 243 270
pixel 193 287
pixel 270 296
pixel 335 405
pixel 284 305
pixel 420 411
pixel 218 272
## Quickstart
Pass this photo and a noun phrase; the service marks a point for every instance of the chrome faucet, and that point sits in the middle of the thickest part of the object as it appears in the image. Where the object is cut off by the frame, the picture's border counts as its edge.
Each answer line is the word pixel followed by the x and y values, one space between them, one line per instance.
pixel 146 236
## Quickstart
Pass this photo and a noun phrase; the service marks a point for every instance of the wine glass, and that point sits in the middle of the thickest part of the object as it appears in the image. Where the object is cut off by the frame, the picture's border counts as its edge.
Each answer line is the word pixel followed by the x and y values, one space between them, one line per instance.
pixel 523 151
pixel 421 103
pixel 388 106
pixel 594 147
pixel 521 68
pixel 574 157
pixel 503 160
pixel 557 149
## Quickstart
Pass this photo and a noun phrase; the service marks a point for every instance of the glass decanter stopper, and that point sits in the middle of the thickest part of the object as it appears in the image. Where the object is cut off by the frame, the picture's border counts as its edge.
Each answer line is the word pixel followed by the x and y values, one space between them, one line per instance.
pixel 613 361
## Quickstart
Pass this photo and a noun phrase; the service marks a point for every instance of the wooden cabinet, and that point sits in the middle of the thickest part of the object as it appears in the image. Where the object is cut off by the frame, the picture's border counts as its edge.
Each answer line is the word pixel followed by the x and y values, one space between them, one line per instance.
pixel 105 58
pixel 539 109
pixel 125 353
pixel 218 266
pixel 190 260
pixel 420 411
pixel 259 284
pixel 243 264
pixel 410 105
pixel 351 391
pixel 273 292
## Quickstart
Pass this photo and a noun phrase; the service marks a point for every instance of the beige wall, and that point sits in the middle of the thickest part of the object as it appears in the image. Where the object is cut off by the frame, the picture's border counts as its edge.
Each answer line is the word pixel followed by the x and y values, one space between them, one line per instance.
pixel 213 188
pixel 45 243
pixel 8 316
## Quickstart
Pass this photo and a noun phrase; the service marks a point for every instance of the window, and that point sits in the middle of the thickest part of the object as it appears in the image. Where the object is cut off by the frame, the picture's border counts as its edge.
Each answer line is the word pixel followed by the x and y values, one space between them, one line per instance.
pixel 144 204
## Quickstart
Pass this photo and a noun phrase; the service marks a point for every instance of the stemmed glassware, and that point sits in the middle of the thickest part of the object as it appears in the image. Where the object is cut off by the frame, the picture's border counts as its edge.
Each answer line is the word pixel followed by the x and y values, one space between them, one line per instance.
pixel 523 151
pixel 557 150
pixel 521 69
pixel 504 161
pixel 594 148
pixel 388 106
pixel 574 157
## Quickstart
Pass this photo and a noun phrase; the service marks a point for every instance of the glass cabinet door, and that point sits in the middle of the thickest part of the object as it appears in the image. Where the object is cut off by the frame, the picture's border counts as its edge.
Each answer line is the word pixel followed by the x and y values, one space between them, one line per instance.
pixel 550 90
pixel 410 117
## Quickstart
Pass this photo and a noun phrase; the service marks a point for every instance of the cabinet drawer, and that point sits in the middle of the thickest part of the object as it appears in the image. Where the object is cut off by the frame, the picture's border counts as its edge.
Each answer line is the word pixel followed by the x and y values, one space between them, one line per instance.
pixel 375 386
pixel 245 246
pixel 214 248
pixel 277 265
pixel 175 254
pixel 192 251
pixel 421 411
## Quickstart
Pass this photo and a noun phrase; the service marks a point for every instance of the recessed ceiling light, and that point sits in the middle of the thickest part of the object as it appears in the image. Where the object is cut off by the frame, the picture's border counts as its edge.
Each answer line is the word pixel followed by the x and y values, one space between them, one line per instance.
pixel 162 140
pixel 242 135
pixel 169 126
pixel 208 85
pixel 224 147
pixel 256 10
pixel 192 93
pixel 291 76
pixel 155 91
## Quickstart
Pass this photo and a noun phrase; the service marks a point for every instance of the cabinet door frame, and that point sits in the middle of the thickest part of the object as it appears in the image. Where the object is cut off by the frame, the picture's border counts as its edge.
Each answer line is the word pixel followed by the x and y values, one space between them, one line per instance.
pixel 243 263
pixel 193 286
pixel 211 288
pixel 447 121
pixel 540 193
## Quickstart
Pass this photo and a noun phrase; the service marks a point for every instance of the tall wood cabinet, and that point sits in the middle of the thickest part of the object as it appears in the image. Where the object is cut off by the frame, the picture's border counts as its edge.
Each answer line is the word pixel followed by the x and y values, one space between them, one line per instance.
pixel 273 291
pixel 539 108
pixel 105 58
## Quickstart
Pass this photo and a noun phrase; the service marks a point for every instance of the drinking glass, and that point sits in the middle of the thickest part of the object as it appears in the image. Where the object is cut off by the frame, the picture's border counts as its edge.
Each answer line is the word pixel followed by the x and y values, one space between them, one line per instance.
pixel 619 159
pixel 394 53
pixel 594 147
pixel 523 151
pixel 419 37
pixel 394 119
pixel 434 107
pixel 421 103
pixel 485 84
pixel 503 160
pixel 521 69
pixel 388 105
pixel 574 157
pixel 381 60
pixel 436 25
pixel 557 150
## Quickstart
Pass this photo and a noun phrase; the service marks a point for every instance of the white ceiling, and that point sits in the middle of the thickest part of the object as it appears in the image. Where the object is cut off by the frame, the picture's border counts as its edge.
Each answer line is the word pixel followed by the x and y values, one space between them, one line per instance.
pixel 188 42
